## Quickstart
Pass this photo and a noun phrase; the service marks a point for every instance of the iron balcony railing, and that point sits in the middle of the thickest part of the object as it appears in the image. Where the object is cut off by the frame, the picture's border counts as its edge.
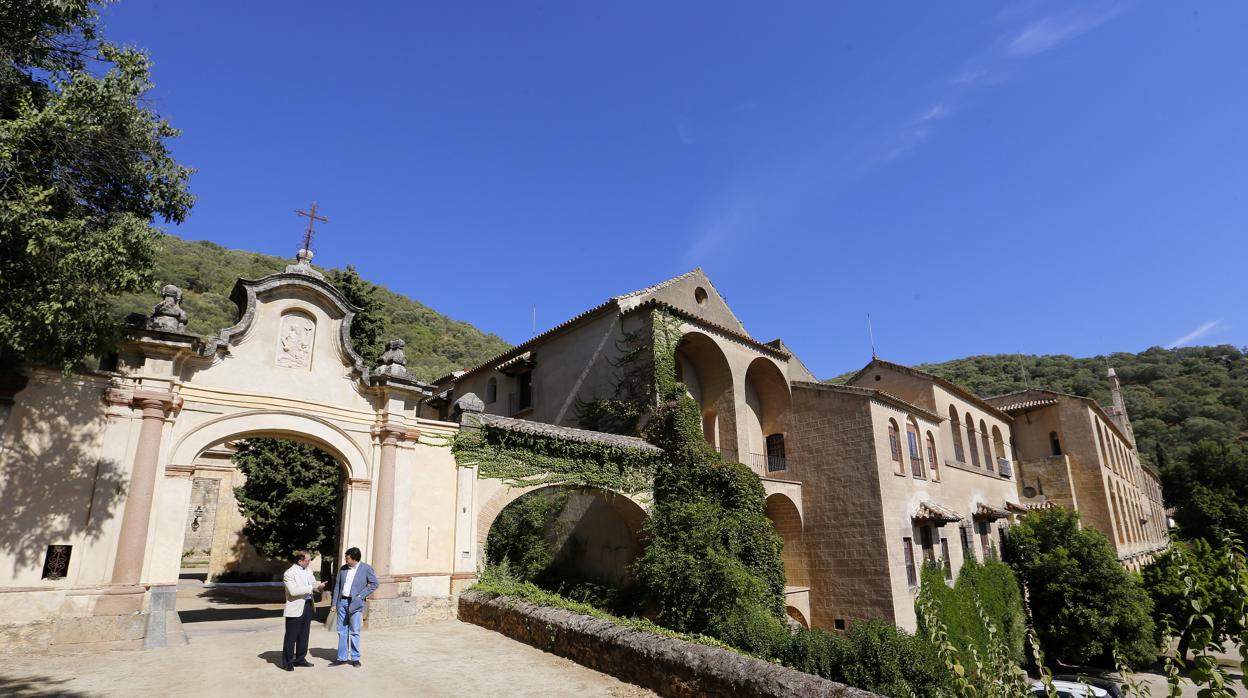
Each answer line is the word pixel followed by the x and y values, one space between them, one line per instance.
pixel 1005 468
pixel 770 463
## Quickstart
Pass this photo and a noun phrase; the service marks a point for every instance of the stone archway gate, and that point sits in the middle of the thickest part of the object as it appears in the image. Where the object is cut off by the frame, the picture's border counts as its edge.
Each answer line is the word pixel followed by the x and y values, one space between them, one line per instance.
pixel 96 468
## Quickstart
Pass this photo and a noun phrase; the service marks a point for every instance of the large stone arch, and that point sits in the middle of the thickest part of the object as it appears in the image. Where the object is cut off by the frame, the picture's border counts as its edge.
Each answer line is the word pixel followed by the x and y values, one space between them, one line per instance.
pixel 586 509
pixel 767 405
pixel 704 368
pixel 354 517
pixel 278 423
pixel 786 517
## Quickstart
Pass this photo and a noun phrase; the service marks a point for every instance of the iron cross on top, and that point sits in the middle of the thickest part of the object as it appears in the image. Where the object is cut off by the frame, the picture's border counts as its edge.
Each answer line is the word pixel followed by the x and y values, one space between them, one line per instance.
pixel 312 219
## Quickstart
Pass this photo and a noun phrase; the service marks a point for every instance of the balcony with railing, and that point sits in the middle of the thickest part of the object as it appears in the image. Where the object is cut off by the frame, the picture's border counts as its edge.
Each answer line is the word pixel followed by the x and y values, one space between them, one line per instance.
pixel 766 463
pixel 1005 468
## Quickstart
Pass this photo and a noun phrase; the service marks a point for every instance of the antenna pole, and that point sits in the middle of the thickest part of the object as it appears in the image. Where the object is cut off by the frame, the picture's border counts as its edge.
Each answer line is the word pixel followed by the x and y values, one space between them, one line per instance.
pixel 871 334
pixel 533 330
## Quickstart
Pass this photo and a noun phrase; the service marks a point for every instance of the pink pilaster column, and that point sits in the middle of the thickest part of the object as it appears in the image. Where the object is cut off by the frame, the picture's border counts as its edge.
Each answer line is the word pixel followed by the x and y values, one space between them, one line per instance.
pixel 383 522
pixel 132 543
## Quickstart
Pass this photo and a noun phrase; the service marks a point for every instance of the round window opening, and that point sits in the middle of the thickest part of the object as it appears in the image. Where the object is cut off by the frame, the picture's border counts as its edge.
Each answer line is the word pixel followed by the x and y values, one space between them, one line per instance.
pixel 699 295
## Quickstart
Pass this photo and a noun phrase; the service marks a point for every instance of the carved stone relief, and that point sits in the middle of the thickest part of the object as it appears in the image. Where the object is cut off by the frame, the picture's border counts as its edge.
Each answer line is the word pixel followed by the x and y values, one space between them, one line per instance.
pixel 294 341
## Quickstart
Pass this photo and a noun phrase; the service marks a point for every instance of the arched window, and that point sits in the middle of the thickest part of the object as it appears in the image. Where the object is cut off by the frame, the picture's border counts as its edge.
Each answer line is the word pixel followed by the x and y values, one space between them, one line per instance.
pixel 1100 437
pixel 955 425
pixel 998 443
pixel 491 391
pixel 931 457
pixel 983 434
pixel 894 445
pixel 1117 510
pixel 1055 444
pixel 970 437
pixel 912 445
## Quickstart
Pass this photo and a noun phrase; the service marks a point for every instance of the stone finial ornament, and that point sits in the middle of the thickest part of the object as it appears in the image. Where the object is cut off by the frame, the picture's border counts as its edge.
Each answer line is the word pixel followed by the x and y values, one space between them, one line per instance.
pixel 168 315
pixel 394 353
pixel 468 403
pixel 393 361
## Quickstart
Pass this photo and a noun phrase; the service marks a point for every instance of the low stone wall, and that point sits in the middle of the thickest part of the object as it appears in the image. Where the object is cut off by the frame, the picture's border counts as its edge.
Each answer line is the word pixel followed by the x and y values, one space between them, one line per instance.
pixel 666 665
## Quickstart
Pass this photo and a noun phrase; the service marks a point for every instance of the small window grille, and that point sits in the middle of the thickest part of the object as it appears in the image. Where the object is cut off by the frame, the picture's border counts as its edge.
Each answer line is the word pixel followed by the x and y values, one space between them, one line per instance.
pixel 56 561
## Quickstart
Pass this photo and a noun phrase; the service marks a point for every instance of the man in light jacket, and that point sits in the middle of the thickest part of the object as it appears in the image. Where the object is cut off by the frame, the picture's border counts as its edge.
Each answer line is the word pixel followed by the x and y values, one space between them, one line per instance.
pixel 300 585
pixel 356 581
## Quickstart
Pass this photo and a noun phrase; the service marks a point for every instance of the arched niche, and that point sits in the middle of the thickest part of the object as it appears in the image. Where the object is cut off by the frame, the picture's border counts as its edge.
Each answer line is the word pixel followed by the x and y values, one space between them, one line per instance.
pixel 767 406
pixel 704 369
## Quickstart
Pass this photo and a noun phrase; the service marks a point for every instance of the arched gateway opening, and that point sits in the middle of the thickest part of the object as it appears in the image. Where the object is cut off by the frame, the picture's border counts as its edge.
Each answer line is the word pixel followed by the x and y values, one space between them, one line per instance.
pixel 302 466
pixel 578 540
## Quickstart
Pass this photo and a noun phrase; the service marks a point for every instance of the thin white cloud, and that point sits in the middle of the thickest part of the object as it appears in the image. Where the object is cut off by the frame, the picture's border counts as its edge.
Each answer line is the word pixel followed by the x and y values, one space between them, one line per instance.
pixel 938 111
pixel 1053 31
pixel 996 64
pixel 1203 330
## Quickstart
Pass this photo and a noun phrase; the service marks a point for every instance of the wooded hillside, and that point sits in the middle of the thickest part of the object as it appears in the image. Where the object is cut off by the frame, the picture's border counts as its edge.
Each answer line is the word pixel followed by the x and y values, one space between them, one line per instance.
pixel 206 272
pixel 1175 397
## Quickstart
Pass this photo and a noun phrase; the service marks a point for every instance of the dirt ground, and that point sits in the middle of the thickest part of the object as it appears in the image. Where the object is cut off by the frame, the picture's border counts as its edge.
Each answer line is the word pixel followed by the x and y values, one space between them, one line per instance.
pixel 235 646
pixel 446 658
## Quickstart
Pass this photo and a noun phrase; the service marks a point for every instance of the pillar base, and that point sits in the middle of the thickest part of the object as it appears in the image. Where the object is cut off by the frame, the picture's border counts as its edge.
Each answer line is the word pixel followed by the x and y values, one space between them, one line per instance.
pixel 121 602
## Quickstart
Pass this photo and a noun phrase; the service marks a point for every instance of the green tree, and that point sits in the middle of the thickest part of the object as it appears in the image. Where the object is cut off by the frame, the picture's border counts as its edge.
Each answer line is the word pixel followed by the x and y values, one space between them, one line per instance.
pixel 84 171
pixel 1213 588
pixel 712 564
pixel 1083 603
pixel 1208 486
pixel 369 326
pixel 290 497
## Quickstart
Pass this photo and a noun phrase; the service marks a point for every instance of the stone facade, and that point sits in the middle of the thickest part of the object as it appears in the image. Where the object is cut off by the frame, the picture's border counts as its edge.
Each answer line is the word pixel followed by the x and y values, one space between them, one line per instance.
pixel 863 481
pixel 1076 454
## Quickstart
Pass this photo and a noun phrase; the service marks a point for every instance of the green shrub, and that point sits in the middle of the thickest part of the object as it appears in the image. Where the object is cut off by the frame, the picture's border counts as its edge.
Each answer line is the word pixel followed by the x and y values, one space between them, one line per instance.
pixel 753 630
pixel 876 655
pixel 1084 604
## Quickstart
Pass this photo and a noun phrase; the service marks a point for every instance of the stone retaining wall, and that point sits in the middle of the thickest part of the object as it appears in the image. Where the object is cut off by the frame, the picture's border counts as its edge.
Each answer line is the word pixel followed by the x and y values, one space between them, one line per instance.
pixel 666 665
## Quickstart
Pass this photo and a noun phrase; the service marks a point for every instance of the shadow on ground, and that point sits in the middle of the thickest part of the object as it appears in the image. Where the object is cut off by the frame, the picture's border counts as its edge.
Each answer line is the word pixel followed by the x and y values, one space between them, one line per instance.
pixel 31 686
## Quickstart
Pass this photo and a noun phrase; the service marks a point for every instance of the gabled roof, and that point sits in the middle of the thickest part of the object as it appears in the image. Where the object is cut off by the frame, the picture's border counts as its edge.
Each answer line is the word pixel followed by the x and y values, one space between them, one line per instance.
pixel 767 348
pixel 660 285
pixel 942 382
pixel 1035 398
pixel 625 303
pixel 870 393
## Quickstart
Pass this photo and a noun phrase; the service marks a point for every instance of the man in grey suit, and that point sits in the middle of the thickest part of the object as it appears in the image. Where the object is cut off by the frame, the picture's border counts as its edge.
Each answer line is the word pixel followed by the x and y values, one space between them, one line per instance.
pixel 300 585
pixel 356 581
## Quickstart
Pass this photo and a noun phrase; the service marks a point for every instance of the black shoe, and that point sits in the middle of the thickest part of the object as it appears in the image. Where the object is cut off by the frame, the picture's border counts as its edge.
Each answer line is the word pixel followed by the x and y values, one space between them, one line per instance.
pixel 287 667
pixel 356 664
pixel 303 662
pixel 339 662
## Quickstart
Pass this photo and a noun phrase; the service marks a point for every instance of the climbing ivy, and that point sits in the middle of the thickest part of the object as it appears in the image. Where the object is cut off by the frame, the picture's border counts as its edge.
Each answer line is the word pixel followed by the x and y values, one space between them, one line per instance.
pixel 522 459
pixel 713 562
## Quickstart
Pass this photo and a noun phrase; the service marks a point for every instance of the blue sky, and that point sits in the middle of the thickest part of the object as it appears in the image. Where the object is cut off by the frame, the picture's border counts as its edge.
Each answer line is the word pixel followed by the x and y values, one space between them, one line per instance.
pixel 980 178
